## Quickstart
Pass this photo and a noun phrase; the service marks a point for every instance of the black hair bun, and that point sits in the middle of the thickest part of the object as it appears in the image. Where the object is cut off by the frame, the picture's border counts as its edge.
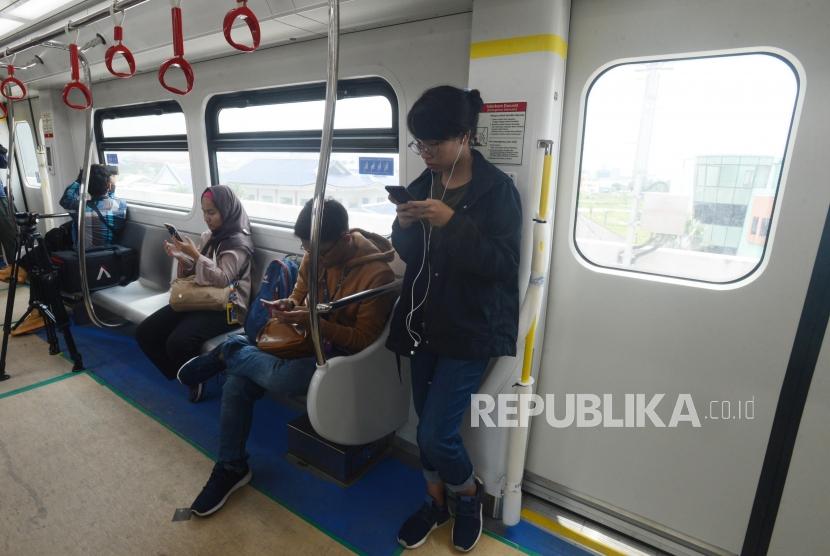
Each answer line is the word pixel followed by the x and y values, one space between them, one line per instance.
pixel 474 97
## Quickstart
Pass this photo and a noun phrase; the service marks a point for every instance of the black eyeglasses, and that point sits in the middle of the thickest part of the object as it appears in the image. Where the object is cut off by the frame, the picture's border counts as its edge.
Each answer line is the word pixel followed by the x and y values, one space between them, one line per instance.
pixel 424 147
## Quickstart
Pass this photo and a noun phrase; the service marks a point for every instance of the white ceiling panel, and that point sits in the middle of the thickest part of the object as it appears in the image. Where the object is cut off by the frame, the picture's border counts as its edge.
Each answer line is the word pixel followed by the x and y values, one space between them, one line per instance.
pixel 35 9
pixel 305 24
pixel 148 31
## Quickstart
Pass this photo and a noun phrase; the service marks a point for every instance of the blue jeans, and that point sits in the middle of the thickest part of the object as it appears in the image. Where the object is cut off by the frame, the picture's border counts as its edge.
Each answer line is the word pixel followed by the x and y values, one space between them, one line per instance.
pixel 441 391
pixel 250 373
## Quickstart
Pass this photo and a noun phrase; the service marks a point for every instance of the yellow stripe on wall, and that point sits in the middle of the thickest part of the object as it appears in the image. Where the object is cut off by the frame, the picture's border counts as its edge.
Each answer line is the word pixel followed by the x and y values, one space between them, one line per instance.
pixel 560 530
pixel 519 45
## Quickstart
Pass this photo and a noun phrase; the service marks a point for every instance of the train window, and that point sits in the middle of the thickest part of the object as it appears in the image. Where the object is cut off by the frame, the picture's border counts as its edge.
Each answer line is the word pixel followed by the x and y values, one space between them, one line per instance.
pixel 148 143
pixel 681 164
pixel 26 151
pixel 265 145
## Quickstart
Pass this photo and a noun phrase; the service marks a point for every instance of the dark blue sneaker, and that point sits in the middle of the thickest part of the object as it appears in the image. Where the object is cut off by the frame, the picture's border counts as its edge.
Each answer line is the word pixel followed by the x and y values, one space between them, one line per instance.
pixel 201 368
pixel 219 487
pixel 468 519
pixel 418 526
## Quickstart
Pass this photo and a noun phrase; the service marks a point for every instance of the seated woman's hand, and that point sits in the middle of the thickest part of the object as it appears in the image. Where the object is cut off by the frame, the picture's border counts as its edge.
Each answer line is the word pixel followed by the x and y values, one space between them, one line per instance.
pixel 172 251
pixel 187 247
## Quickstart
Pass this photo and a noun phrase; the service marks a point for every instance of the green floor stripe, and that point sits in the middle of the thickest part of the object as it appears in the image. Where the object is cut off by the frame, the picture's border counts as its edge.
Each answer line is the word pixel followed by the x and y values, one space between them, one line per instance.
pixel 39 384
pixel 201 449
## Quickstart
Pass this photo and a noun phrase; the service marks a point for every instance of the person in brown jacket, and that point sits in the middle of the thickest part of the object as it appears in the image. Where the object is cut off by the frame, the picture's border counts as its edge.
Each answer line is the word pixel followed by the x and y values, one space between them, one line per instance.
pixel 351 261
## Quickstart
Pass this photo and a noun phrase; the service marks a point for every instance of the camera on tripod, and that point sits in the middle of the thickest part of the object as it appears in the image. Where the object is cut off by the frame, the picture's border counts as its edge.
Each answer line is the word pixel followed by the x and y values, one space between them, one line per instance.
pixel 26 222
pixel 44 290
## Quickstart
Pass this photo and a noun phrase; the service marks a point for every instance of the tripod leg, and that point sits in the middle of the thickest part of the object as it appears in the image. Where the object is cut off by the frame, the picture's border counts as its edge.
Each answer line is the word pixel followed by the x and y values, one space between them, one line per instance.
pixel 78 362
pixel 51 336
pixel 58 315
pixel 9 310
pixel 21 319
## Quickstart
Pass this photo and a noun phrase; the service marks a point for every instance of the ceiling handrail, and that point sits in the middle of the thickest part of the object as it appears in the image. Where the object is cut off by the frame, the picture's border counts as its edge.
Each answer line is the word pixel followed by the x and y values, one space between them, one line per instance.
pixel 178 59
pixel 76 83
pixel 242 12
pixel 119 47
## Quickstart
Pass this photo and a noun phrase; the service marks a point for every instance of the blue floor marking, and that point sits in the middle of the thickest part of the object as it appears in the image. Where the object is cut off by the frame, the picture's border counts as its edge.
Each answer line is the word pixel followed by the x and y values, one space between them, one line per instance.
pixel 366 515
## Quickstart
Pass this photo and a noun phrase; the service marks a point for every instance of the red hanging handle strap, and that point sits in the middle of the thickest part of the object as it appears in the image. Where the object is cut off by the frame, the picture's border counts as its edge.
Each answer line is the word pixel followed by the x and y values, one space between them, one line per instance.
pixel 12 80
pixel 76 83
pixel 114 50
pixel 250 19
pixel 178 58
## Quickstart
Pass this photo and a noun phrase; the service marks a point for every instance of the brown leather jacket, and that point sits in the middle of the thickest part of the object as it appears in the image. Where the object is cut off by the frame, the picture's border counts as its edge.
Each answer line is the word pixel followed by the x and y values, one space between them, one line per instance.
pixel 351 267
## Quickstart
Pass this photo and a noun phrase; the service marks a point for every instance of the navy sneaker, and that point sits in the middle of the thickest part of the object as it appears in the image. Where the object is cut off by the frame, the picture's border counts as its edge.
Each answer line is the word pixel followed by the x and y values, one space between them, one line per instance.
pixel 200 368
pixel 469 515
pixel 219 487
pixel 416 529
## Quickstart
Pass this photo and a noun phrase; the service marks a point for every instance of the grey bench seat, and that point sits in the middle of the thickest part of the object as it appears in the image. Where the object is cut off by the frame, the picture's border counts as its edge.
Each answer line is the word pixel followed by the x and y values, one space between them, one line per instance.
pixel 134 302
pixel 140 299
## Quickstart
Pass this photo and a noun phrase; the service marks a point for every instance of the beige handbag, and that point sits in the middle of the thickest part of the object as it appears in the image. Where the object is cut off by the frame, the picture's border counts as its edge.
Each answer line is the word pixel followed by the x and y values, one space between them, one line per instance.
pixel 187 295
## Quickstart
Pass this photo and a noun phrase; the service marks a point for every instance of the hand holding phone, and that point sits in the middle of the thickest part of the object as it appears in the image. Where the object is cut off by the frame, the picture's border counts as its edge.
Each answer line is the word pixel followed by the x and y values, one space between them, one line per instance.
pixel 171 229
pixel 278 305
pixel 399 194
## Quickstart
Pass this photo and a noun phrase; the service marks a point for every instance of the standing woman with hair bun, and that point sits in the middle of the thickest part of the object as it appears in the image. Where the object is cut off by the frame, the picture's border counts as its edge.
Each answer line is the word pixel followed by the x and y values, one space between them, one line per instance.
pixel 460 239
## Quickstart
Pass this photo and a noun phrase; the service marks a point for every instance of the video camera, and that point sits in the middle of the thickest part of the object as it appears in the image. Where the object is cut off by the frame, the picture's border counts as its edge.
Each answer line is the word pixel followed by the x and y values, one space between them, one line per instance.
pixel 26 222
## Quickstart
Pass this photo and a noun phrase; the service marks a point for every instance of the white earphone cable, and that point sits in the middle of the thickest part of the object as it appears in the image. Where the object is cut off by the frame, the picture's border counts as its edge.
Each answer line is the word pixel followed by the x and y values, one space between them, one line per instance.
pixel 413 335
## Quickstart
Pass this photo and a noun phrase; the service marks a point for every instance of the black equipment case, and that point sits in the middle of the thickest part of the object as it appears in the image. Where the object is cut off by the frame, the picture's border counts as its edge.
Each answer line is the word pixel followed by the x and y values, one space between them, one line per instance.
pixel 109 266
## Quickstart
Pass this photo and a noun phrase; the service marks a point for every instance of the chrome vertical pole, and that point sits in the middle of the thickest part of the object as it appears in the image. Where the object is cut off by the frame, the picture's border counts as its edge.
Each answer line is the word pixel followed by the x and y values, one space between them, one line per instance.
pixel 83 197
pixel 11 158
pixel 322 177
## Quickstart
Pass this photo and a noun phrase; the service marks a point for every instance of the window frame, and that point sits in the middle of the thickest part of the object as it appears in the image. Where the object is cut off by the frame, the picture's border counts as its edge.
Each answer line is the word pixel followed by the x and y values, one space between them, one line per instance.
pixel 168 143
pixel 368 140
pixel 753 273
pixel 19 155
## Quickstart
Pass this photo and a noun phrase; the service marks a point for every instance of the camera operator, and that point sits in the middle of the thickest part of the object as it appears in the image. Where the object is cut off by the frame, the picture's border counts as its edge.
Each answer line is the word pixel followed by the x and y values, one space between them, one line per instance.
pixel 105 215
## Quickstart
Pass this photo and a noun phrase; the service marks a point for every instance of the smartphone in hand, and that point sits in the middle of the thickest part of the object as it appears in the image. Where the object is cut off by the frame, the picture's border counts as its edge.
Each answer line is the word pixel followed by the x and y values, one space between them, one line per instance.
pixel 171 229
pixel 399 193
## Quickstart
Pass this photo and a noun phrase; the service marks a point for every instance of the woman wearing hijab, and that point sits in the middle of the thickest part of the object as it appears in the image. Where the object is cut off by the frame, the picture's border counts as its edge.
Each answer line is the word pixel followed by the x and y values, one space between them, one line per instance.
pixel 170 338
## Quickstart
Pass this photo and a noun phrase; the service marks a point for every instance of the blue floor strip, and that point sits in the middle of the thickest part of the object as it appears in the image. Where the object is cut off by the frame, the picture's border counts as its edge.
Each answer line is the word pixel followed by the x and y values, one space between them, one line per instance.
pixel 365 516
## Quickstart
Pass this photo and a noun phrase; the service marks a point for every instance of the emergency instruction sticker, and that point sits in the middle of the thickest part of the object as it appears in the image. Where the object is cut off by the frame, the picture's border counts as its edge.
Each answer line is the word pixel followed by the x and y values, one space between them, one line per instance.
pixel 500 135
pixel 46 125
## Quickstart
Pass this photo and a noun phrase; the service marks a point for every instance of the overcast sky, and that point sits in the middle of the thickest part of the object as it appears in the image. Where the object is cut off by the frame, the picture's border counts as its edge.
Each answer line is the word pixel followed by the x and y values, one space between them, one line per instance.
pixel 737 105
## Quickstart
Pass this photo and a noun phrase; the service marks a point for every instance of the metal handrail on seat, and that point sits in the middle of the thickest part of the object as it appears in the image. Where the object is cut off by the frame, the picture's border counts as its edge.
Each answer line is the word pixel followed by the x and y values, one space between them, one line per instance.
pixel 325 308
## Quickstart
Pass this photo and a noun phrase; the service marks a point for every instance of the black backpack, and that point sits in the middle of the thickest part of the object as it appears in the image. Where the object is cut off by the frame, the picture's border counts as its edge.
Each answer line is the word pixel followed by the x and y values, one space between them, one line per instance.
pixel 60 238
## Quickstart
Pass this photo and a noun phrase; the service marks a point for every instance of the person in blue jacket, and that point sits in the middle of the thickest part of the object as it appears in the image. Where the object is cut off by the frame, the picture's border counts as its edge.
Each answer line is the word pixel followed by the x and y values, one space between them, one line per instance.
pixel 105 215
pixel 459 307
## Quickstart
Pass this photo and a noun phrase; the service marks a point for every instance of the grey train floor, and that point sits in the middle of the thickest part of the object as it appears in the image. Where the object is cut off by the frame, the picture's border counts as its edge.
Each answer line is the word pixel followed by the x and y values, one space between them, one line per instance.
pixel 84 472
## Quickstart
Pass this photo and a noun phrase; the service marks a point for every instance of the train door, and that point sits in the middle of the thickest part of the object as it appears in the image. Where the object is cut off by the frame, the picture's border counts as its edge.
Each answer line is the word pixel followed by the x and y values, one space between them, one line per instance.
pixel 690 208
